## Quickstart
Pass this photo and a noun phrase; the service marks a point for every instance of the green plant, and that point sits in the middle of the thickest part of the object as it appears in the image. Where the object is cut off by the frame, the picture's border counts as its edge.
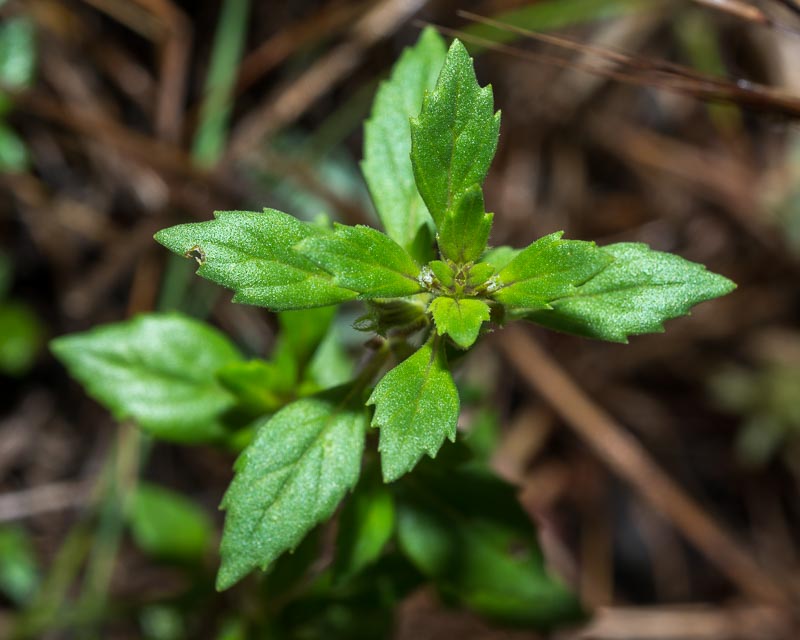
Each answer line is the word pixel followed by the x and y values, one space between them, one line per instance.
pixel 431 286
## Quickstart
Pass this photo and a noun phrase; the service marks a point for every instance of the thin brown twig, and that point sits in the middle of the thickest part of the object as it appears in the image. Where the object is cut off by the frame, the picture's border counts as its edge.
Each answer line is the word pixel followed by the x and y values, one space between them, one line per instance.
pixel 657 74
pixel 291 101
pixel 43 499
pixel 697 622
pixel 174 73
pixel 628 459
pixel 328 21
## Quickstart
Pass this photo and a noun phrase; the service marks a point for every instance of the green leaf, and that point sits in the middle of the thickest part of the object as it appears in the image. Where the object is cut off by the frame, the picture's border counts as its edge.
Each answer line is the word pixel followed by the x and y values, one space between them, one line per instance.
pixel 13 152
pixel 157 369
pixel 331 365
pixel 253 254
pixel 453 141
pixel 363 259
pixel 464 529
pixel 499 257
pixel 366 525
pixel 19 574
pixel 17 53
pixel 301 333
pixel 548 269
pixel 387 144
pixel 21 336
pixel 635 294
pixel 299 467
pixel 465 229
pixel 460 319
pixel 260 387
pixel 416 408
pixel 166 525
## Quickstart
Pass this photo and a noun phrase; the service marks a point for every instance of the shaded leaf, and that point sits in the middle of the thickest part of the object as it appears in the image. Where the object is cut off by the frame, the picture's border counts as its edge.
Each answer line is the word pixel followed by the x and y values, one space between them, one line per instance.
pixel 166 525
pixel 454 138
pixel 17 53
pixel 14 156
pixel 465 529
pixel 21 337
pixel 19 573
pixel 366 525
pixel 548 269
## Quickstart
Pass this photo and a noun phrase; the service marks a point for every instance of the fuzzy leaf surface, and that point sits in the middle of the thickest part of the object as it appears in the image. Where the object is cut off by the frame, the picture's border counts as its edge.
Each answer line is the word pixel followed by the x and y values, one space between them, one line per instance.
pixel 455 136
pixel 365 260
pixel 157 369
pixel 253 254
pixel 459 527
pixel 499 257
pixel 460 319
pixel 387 142
pixel 640 290
pixel 465 228
pixel 548 269
pixel 294 474
pixel 416 408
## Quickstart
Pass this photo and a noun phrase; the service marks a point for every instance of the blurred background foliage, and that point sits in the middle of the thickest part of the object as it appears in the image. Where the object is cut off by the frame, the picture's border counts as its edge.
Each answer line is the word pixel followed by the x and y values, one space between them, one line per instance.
pixel 120 117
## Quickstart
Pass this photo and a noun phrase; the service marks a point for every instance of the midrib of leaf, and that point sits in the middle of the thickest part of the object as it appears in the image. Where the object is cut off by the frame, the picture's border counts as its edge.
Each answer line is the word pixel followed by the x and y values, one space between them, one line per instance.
pixel 629 287
pixel 454 138
pixel 421 390
pixel 290 476
pixel 549 274
pixel 136 364
pixel 371 267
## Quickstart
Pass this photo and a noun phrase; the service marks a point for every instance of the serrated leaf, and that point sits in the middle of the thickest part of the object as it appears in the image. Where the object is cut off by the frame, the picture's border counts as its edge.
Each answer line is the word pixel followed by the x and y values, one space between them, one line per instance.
pixel 464 529
pixel 366 525
pixel 454 138
pixel 459 319
pixel 168 526
pixel 387 145
pixel 157 369
pixel 300 465
pixel 365 260
pixel 416 408
pixel 635 294
pixel 465 228
pixel 254 254
pixel 548 269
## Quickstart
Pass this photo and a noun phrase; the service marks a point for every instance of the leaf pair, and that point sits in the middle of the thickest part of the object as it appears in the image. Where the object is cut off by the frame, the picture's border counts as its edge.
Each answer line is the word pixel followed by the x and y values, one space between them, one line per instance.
pixel 273 260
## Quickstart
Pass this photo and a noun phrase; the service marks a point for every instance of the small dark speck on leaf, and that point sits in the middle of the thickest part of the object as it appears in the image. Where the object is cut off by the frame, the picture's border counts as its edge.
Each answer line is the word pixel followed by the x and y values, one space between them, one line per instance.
pixel 197 253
